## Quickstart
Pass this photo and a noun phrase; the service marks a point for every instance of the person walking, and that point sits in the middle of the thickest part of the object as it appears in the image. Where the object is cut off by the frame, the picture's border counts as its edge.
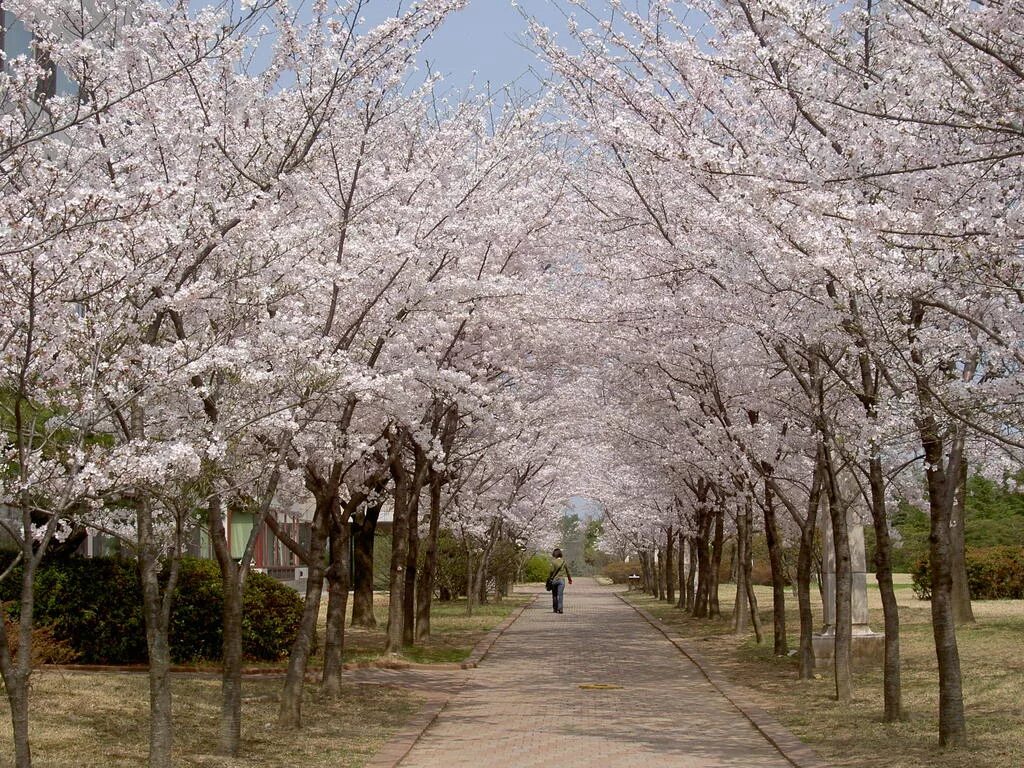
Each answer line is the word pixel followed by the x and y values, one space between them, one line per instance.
pixel 559 573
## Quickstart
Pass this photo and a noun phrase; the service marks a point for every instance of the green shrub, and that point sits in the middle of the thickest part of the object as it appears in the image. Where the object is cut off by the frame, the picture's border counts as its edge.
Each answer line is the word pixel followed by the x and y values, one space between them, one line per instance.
pixel 993 573
pixel 94 605
pixel 620 571
pixel 271 613
pixel 536 569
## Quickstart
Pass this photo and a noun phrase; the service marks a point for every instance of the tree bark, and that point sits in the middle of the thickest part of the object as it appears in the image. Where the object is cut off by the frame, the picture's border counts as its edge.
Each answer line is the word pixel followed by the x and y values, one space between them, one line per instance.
pixel 290 711
pixel 645 566
pixel 941 489
pixel 425 583
pixel 891 685
pixel 691 576
pixel 963 611
pixel 740 610
pixel 804 566
pixel 156 602
pixel 714 609
pixel 364 531
pixel 413 554
pixel 670 576
pixel 842 660
pixel 774 540
pixel 942 482
pixel 659 566
pixel 681 571
pixel 337 605
pixel 747 567
pixel 231 670
pixel 17 671
pixel 399 556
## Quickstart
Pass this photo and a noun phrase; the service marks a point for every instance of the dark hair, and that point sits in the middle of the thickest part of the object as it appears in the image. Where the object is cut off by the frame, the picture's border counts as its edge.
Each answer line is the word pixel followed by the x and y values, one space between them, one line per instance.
pixel 556 553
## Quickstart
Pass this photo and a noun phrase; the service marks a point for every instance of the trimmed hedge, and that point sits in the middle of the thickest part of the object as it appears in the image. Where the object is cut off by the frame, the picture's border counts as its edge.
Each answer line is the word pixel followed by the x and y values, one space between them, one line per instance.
pixel 94 605
pixel 993 573
pixel 536 569
pixel 619 571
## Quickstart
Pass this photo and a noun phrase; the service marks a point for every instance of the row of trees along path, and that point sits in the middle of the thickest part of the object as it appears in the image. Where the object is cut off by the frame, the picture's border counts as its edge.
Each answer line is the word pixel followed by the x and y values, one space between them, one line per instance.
pixel 763 269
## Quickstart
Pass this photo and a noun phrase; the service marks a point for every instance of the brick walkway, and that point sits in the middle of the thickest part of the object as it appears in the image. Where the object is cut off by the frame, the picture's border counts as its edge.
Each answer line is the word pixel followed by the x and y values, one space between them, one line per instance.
pixel 529 704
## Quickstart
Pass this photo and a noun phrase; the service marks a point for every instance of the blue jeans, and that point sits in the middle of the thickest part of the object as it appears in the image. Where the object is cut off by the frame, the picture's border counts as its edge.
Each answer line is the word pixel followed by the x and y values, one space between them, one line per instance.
pixel 557 595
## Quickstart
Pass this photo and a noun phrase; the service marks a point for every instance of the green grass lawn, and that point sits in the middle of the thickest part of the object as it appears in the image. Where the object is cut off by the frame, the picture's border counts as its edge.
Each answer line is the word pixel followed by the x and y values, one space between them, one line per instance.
pixel 992 661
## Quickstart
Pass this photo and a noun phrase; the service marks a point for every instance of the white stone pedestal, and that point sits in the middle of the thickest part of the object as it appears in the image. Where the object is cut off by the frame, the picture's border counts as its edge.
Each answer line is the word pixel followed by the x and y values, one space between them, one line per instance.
pixel 868 646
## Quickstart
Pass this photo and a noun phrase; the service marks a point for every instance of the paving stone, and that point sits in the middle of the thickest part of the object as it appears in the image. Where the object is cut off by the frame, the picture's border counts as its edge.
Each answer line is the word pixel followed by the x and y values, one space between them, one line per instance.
pixel 642 704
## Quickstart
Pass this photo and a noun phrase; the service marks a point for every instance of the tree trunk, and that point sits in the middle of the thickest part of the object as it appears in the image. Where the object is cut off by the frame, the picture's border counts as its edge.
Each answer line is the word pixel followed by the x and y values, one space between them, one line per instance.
pixel 17 695
pixel 941 491
pixel 716 565
pixel 691 576
pixel 231 671
pixel 161 725
pixel 364 531
pixel 748 579
pixel 337 605
pixel 645 567
pixel 681 570
pixel 399 557
pixel 231 640
pixel 425 583
pixel 411 563
pixel 290 711
pixel 803 597
pixel 891 685
pixel 804 567
pixel 942 482
pixel 413 554
pixel 771 530
pixel 701 603
pixel 963 612
pixel 740 610
pixel 17 671
pixel 662 577
pixel 843 661
pixel 670 576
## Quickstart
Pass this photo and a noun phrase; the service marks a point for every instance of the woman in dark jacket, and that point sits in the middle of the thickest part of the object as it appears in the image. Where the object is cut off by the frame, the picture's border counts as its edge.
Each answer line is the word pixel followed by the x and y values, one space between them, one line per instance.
pixel 559 573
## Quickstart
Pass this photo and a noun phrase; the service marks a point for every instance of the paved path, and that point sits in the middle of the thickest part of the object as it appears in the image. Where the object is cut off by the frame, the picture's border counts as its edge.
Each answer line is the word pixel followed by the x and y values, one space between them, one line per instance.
pixel 524 707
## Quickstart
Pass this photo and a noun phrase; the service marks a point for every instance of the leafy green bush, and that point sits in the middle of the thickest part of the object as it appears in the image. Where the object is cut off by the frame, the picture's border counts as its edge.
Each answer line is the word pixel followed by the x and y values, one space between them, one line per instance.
pixel 620 571
pixel 993 573
pixel 536 569
pixel 271 613
pixel 95 606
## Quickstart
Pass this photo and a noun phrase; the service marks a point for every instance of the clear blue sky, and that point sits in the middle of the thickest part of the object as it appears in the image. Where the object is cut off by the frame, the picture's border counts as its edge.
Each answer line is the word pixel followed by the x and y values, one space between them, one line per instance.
pixel 488 38
pixel 487 42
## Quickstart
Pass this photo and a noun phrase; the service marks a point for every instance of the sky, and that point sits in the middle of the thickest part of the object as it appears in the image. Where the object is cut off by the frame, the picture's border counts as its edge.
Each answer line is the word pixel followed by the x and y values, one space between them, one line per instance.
pixel 487 43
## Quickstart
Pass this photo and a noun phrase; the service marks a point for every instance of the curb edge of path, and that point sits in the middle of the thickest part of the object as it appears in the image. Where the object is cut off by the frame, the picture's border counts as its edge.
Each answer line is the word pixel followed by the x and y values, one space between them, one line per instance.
pixel 401 743
pixel 789 746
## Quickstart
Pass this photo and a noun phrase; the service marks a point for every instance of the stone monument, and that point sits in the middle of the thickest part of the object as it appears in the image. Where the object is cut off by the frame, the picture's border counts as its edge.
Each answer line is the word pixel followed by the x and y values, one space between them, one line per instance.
pixel 867 646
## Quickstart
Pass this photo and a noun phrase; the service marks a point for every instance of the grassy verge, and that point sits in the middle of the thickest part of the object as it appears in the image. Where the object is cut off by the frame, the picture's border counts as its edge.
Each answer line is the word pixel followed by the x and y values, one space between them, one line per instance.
pixel 992 661
pixel 453 633
pixel 102 721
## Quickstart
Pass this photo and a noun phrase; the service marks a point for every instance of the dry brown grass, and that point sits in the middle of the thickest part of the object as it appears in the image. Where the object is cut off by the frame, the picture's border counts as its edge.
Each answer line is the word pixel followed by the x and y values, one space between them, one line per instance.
pixel 453 633
pixel 101 720
pixel 992 661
